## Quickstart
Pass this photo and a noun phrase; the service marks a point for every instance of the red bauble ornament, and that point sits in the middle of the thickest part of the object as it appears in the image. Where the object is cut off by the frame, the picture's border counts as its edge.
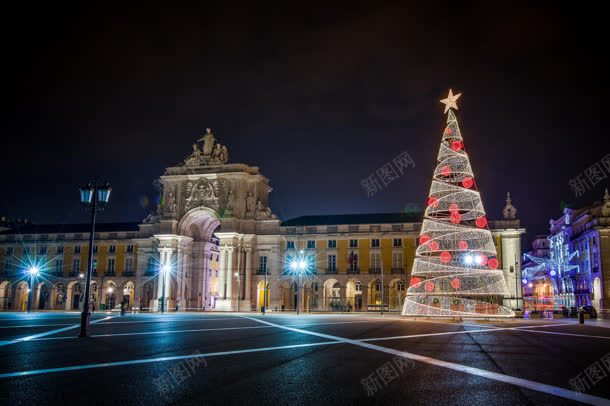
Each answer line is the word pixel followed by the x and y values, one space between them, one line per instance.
pixel 481 221
pixel 456 283
pixel 468 182
pixel 463 245
pixel 445 257
pixel 493 263
pixel 448 130
pixel 456 145
pixel 433 202
pixel 429 286
pixel 446 170
pixel 414 281
pixel 454 207
pixel 484 260
pixel 423 239
pixel 433 245
pixel 455 217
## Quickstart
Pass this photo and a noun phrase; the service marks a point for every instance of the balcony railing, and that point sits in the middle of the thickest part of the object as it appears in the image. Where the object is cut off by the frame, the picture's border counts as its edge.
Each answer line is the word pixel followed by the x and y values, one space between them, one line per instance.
pixel 353 270
pixel 150 272
pixel 374 270
pixel 398 270
pixel 128 273
pixel 331 271
pixel 262 271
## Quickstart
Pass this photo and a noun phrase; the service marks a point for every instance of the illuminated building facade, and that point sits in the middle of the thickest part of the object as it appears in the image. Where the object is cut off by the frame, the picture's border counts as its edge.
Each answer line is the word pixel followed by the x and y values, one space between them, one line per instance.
pixel 221 241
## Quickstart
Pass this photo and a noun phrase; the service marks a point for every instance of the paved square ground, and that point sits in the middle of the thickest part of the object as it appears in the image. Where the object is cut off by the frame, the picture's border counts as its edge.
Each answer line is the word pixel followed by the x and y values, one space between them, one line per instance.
pixel 197 358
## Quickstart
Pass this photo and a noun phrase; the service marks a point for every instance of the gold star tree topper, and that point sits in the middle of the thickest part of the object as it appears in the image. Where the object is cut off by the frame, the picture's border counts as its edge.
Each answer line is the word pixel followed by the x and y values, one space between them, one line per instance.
pixel 450 101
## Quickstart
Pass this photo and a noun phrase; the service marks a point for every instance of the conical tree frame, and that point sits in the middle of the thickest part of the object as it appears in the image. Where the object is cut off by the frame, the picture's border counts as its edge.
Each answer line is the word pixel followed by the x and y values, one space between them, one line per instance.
pixel 455 272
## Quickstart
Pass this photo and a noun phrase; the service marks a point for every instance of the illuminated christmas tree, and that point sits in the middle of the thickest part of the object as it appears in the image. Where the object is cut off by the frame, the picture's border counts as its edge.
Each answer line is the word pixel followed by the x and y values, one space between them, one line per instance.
pixel 455 272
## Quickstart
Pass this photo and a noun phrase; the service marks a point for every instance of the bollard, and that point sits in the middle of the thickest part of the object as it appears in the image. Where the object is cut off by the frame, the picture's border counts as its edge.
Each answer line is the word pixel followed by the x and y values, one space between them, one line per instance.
pixel 581 317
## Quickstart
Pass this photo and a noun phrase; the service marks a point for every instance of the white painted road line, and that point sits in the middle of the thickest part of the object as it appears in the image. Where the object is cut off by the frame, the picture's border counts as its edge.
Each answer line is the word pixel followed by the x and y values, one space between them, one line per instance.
pixel 524 383
pixel 447 333
pixel 37 325
pixel 565 334
pixel 47 333
pixel 161 359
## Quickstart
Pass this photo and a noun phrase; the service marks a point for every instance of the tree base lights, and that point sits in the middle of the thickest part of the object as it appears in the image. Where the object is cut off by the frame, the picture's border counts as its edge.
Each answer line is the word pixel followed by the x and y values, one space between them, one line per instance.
pixel 455 272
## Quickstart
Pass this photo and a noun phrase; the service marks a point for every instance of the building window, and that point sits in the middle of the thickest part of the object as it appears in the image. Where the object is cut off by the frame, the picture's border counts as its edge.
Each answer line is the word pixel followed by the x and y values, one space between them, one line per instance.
pixel 112 249
pixel 332 262
pixel 76 266
pixel 290 245
pixel 262 263
pixel 353 243
pixel 60 249
pixel 332 243
pixel 358 286
pixel 397 242
pixel 375 260
pixel 151 266
pixel 26 250
pixel 129 248
pixel 400 286
pixel 42 250
pixel 375 243
pixel 95 249
pixel 59 266
pixel 311 263
pixel 128 265
pixel 110 268
pixel 9 251
pixel 353 229
pixel 378 286
pixel 8 265
pixel 94 269
pixel 352 261
pixel 397 227
pixel 397 260
pixel 77 249
pixel 311 244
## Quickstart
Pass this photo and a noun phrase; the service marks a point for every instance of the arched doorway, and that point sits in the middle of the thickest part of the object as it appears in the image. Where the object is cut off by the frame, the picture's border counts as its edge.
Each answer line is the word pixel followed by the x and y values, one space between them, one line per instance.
pixel 74 295
pixel 260 297
pixel 396 293
pixel 4 295
pixel 375 292
pixel 128 292
pixel 353 295
pixel 58 296
pixel 21 296
pixel 200 224
pixel 597 294
pixel 109 295
pixel 42 296
pixel 147 298
pixel 332 295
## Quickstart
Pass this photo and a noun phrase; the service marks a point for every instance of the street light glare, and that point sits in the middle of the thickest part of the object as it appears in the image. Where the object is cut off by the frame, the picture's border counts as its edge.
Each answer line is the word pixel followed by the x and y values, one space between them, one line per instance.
pixel 34 270
pixel 166 268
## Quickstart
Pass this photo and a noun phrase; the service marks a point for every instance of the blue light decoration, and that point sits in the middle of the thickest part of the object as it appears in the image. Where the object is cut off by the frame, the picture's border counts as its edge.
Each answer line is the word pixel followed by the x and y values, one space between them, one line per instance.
pixel 524 281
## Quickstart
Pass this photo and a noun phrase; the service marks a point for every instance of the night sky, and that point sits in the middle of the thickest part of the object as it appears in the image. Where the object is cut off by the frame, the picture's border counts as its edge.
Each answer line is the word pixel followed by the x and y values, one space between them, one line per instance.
pixel 317 97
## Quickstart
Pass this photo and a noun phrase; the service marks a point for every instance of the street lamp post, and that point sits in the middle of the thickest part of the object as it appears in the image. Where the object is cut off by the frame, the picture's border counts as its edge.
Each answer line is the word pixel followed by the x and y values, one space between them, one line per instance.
pixel 33 272
pixel 265 292
pixel 238 289
pixel 94 197
pixel 164 270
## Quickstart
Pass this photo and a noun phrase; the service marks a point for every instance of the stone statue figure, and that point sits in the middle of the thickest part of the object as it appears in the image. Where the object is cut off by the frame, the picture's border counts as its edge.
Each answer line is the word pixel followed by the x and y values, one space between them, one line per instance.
pixel 195 157
pixel 171 207
pixel 249 203
pixel 259 205
pixel 208 142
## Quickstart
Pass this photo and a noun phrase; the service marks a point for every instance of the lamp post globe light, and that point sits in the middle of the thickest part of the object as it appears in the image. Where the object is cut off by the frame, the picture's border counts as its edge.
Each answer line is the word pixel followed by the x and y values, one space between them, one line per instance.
pixel 94 197
pixel 33 271
pixel 165 269
pixel 298 267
